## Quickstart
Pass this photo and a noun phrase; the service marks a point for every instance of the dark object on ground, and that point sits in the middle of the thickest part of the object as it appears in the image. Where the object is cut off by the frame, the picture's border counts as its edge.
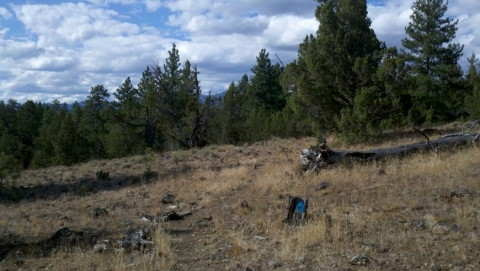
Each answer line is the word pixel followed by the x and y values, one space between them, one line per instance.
pixel 297 210
pixel 168 199
pixel 324 156
pixel 322 186
pixel 172 215
pixel 98 212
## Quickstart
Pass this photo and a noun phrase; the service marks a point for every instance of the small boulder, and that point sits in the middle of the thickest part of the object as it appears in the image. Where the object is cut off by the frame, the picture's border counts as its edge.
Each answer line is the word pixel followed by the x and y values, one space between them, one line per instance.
pixel 360 259
pixel 169 198
pixel 440 229
pixel 274 264
pixel 100 247
pixel 322 186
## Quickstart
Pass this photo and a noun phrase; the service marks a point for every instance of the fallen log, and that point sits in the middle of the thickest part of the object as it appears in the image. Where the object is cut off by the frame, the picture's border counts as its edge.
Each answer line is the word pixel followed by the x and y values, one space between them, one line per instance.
pixel 324 156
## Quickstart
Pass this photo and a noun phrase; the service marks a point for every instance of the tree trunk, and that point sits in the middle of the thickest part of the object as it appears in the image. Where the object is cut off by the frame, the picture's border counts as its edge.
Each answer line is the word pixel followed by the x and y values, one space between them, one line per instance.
pixel 324 156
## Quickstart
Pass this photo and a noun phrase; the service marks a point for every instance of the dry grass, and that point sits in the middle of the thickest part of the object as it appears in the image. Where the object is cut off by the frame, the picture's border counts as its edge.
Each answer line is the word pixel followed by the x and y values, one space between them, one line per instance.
pixel 423 213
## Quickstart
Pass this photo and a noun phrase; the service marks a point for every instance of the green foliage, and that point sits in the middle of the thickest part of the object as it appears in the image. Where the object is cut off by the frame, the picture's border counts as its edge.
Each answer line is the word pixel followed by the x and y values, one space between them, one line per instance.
pixel 69 146
pixel 433 60
pixel 264 88
pixel 322 80
pixel 93 126
pixel 472 99
pixel 8 167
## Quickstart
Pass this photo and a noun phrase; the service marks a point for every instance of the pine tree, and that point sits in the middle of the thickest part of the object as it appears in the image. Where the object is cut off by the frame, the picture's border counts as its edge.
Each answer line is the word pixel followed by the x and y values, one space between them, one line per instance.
pixel 234 112
pixel 472 99
pixel 125 134
pixel 264 86
pixel 323 80
pixel 94 119
pixel 433 59
pixel 69 145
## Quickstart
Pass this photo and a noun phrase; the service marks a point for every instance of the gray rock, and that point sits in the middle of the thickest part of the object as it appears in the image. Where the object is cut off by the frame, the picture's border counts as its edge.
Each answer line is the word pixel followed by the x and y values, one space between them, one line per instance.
pixel 420 225
pixel 274 264
pixel 100 247
pixel 440 229
pixel 135 240
pixel 322 186
pixel 360 259
pixel 168 199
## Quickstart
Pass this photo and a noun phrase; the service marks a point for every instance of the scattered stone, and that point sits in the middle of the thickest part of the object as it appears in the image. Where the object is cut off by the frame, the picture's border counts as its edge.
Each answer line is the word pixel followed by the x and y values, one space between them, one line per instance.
pixel 322 186
pixel 274 264
pixel 98 212
pixel 172 207
pixel 100 247
pixel 147 217
pixel 168 199
pixel 172 215
pixel 260 238
pixel 440 229
pixel 360 259
pixel 420 225
pixel 203 223
pixel 134 241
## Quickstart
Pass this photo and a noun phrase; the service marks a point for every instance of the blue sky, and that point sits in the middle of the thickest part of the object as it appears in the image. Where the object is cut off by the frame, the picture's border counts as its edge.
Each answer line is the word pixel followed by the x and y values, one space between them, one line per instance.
pixel 53 49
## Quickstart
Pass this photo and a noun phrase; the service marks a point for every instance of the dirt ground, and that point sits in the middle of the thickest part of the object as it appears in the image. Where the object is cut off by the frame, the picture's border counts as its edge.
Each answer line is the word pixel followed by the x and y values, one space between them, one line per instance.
pixel 419 213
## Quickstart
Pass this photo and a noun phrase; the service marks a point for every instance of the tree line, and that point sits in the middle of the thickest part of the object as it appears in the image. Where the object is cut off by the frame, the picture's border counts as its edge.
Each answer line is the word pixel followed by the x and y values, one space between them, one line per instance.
pixel 345 80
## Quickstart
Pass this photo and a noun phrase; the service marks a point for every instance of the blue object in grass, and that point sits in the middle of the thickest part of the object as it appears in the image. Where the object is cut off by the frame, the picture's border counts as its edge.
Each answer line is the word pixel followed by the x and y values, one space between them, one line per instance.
pixel 300 207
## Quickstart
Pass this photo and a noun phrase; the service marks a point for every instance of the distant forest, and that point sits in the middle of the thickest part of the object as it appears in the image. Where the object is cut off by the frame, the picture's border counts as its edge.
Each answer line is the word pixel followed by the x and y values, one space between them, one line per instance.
pixel 344 81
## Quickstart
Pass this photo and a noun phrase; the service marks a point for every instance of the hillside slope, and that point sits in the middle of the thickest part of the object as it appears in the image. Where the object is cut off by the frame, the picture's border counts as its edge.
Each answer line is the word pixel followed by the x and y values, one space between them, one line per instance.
pixel 418 213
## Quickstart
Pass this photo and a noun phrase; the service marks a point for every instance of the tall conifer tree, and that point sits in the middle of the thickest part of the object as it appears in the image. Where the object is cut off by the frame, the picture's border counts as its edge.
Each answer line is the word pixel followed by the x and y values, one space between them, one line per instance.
pixel 433 59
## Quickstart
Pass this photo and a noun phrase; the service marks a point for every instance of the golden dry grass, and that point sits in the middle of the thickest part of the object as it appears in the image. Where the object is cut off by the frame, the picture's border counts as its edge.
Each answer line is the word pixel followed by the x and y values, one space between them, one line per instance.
pixel 422 214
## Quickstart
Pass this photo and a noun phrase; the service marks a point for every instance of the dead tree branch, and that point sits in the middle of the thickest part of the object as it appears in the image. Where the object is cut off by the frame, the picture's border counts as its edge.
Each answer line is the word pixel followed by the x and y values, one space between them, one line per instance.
pixel 324 156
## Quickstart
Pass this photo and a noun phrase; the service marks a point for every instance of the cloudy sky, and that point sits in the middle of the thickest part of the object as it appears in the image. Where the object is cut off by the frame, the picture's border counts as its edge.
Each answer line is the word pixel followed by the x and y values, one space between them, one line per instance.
pixel 54 49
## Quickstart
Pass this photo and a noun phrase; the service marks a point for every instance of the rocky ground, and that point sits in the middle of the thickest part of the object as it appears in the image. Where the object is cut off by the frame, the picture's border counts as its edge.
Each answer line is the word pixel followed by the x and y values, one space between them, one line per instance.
pixel 222 208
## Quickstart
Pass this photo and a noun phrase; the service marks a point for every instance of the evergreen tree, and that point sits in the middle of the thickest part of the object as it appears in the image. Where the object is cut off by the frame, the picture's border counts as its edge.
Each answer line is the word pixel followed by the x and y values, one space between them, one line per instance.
pixel 234 112
pixel 69 145
pixel 433 59
pixel 472 99
pixel 264 87
pixel 125 136
pixel 335 65
pixel 50 125
pixel 94 118
pixel 27 125
pixel 10 143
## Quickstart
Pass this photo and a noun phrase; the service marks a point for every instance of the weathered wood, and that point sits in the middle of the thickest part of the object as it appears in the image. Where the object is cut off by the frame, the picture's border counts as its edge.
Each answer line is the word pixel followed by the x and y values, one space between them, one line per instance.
pixel 324 156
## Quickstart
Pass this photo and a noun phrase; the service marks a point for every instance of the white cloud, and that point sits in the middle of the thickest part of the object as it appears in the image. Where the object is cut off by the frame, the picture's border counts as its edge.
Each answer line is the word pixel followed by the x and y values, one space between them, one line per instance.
pixel 72 46
pixel 5 13
pixel 71 23
pixel 152 5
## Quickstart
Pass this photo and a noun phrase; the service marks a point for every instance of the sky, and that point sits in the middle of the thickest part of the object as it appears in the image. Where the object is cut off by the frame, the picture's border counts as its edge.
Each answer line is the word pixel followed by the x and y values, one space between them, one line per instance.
pixel 54 49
